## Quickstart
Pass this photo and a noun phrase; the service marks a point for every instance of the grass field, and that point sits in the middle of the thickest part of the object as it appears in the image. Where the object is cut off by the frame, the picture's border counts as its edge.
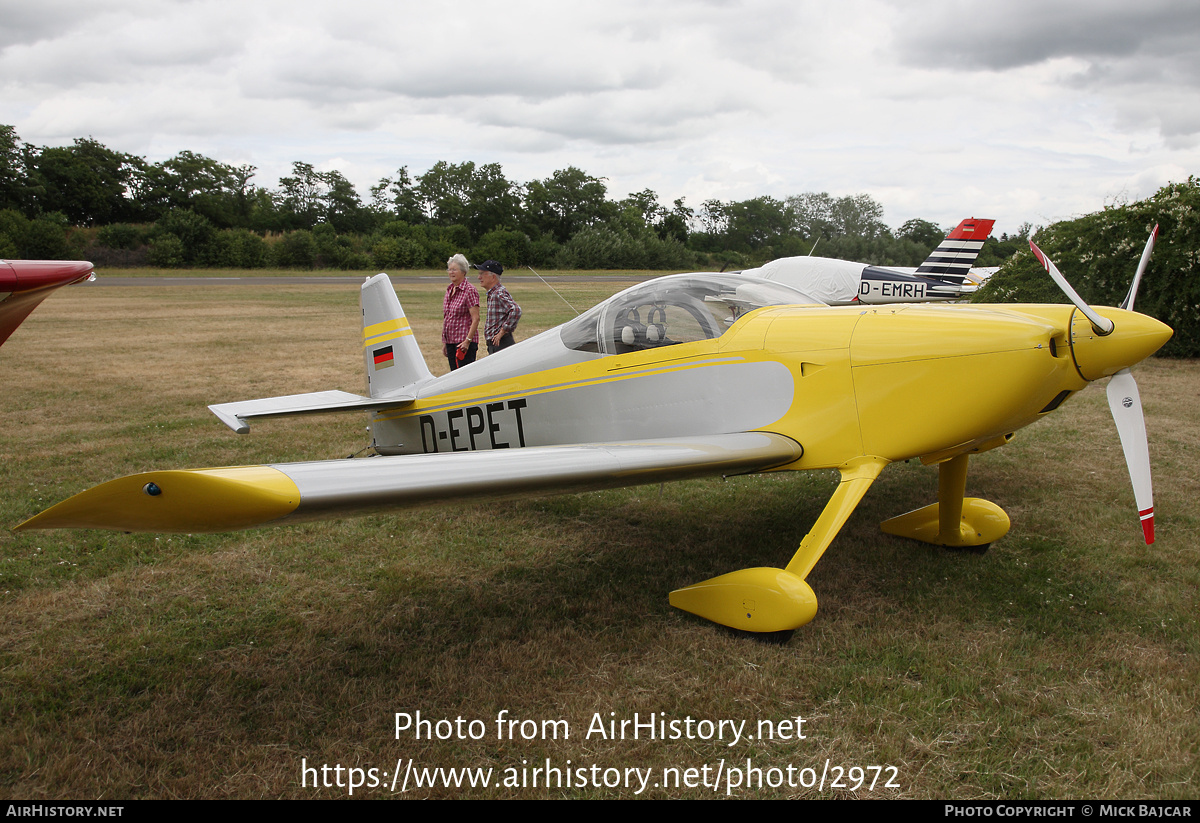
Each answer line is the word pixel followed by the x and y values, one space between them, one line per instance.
pixel 1061 664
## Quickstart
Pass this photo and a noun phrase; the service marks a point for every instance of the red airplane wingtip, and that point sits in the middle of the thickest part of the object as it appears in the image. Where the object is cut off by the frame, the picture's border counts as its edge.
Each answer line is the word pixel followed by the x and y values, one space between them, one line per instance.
pixel 30 275
pixel 26 283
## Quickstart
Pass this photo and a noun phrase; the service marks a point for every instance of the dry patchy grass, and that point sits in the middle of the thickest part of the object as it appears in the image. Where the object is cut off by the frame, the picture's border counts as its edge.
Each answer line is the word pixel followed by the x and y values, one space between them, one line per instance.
pixel 1063 663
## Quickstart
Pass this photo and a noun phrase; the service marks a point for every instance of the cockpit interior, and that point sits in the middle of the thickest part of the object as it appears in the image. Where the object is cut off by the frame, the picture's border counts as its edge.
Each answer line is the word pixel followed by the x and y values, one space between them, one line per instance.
pixel 667 311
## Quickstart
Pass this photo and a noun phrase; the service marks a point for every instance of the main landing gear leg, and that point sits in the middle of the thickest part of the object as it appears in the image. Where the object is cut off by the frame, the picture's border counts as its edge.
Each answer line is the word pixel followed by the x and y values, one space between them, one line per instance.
pixel 775 600
pixel 954 521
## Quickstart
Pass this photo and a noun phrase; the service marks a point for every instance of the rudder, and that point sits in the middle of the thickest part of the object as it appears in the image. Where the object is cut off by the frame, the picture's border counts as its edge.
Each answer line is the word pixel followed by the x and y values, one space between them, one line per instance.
pixel 954 256
pixel 390 352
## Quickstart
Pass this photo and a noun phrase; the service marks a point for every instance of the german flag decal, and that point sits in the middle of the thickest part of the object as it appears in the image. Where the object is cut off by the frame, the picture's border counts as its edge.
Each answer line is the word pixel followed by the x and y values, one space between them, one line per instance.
pixel 383 357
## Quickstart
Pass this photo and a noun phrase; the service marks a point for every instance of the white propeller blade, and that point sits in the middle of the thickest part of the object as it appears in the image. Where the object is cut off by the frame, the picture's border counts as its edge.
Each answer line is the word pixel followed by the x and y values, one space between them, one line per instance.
pixel 1124 401
pixel 1126 406
pixel 1127 303
pixel 1102 325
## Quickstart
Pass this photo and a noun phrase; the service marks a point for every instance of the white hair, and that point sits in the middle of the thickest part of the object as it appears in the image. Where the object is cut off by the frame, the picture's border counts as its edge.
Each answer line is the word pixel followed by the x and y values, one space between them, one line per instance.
pixel 459 262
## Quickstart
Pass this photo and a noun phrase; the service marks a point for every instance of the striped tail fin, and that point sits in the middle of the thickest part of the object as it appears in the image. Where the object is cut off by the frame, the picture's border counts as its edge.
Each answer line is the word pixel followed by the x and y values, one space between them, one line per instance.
pixel 390 352
pixel 955 255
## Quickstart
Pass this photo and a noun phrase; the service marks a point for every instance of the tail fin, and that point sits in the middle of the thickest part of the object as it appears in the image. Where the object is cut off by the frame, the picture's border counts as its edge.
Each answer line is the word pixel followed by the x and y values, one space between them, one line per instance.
pixel 390 351
pixel 953 257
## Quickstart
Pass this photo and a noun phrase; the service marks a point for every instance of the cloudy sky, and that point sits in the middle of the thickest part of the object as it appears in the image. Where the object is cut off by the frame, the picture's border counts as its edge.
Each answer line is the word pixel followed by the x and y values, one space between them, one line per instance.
pixel 1022 110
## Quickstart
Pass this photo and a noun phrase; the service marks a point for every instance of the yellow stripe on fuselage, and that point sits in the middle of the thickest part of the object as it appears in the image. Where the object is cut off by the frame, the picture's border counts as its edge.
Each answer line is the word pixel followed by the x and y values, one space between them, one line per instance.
pixel 518 387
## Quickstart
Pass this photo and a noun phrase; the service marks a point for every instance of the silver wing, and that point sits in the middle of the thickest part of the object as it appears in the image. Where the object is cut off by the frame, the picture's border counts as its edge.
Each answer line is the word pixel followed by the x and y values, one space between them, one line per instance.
pixel 223 499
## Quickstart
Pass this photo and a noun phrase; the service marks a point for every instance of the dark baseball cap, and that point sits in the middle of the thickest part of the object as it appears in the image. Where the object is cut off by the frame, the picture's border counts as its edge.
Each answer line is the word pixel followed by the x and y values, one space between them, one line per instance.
pixel 489 265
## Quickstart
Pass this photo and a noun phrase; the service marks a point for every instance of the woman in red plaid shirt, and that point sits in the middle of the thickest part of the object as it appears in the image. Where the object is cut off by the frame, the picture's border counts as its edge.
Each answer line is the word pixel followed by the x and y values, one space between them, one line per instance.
pixel 460 315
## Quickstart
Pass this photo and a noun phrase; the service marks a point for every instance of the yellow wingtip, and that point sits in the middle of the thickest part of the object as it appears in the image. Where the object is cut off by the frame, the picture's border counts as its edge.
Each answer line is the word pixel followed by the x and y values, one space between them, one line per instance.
pixel 195 500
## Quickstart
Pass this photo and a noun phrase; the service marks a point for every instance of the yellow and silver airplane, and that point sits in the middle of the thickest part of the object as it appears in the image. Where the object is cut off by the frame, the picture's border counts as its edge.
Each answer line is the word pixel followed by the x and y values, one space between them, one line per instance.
pixel 682 376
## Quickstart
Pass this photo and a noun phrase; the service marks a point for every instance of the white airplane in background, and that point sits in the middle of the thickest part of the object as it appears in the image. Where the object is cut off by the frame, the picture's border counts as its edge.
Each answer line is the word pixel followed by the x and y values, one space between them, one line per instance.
pixel 945 274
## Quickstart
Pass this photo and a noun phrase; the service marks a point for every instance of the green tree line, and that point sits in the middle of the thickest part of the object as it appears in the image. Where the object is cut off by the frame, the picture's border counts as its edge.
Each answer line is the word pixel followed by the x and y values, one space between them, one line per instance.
pixel 117 209
pixel 1099 253
pixel 87 201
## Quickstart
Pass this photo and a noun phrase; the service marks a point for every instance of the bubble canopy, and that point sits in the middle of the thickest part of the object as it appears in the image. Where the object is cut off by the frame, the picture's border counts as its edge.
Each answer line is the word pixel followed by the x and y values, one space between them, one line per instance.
pixel 679 308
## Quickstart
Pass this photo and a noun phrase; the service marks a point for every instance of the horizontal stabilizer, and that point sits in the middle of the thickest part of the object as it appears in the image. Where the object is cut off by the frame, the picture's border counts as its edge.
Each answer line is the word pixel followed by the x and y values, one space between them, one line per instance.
pixel 213 500
pixel 235 415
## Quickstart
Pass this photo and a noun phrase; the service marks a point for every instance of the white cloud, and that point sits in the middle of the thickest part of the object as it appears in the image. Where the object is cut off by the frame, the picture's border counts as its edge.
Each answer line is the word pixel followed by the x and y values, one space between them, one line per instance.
pixel 937 108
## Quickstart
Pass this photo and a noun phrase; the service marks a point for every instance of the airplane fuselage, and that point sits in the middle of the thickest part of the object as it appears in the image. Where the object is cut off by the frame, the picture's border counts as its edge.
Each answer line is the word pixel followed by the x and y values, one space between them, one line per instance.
pixel 842 383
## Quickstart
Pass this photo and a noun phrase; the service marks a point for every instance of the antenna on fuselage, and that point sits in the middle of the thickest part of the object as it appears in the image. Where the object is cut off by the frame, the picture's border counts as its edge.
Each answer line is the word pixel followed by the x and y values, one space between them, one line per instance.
pixel 560 297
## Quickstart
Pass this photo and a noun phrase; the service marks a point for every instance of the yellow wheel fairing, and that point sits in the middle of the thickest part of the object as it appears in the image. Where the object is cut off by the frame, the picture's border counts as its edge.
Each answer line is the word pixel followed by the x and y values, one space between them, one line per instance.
pixel 755 600
pixel 981 522
pixel 196 500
